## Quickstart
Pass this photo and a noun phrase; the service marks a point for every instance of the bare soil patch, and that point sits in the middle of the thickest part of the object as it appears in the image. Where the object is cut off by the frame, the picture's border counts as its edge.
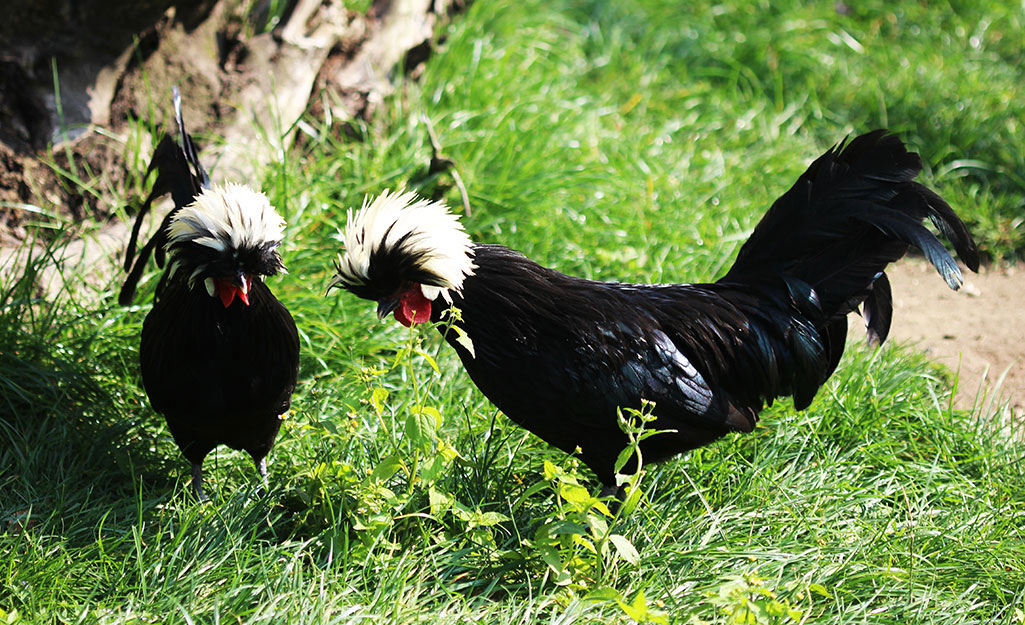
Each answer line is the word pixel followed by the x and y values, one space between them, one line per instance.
pixel 978 331
pixel 244 89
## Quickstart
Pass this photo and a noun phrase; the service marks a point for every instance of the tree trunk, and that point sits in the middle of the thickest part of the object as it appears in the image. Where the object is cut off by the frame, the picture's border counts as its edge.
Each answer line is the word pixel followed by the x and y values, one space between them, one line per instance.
pixel 74 73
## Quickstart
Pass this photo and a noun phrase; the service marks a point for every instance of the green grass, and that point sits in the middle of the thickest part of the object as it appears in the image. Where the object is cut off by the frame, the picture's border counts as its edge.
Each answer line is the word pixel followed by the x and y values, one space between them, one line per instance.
pixel 638 143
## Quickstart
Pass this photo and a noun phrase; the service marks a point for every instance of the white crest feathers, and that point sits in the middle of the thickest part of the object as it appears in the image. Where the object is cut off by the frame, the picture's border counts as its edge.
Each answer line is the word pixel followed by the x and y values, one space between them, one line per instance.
pixel 424 229
pixel 227 219
pixel 232 216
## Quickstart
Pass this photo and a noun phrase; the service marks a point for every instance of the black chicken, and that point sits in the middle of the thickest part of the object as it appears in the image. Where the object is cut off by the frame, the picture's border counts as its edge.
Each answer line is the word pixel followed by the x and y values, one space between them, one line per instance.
pixel 560 354
pixel 219 353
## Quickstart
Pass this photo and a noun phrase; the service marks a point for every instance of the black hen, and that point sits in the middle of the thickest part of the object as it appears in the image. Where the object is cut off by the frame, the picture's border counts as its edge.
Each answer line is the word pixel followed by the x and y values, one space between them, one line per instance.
pixel 560 354
pixel 219 353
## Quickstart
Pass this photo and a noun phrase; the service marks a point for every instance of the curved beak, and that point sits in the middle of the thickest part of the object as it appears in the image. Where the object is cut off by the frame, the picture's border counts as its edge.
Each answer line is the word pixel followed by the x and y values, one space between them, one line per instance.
pixel 226 289
pixel 386 306
pixel 242 284
pixel 335 283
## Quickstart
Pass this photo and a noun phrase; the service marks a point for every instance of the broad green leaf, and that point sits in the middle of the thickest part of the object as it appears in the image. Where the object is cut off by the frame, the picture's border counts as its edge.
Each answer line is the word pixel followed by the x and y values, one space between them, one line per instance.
pixel 625 548
pixel 623 457
pixel 575 493
pixel 551 557
pixel 604 593
pixel 420 428
pixel 432 469
pixel 430 360
pixel 400 356
pixel 557 528
pixel 447 451
pixel 551 471
pixel 432 411
pixel 464 339
pixel 488 519
pixel 440 502
pixel 378 399
pixel 632 610
pixel 633 497
pixel 599 527
pixel 386 468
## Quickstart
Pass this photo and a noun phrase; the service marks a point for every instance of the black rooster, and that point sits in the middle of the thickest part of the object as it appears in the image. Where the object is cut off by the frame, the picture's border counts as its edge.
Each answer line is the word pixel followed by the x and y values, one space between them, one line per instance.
pixel 219 353
pixel 560 354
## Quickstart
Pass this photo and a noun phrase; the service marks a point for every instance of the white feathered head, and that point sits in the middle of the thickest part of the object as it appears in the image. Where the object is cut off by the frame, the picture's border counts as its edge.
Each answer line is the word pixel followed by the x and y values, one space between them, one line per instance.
pixel 403 251
pixel 227 236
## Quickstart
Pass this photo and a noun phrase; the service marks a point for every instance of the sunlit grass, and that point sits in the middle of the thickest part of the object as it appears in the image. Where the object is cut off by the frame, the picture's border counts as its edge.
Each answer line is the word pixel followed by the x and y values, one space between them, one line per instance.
pixel 632 142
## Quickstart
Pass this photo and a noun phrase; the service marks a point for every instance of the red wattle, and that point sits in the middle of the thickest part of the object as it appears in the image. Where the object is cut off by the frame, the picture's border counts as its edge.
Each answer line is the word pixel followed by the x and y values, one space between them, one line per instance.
pixel 413 307
pixel 225 290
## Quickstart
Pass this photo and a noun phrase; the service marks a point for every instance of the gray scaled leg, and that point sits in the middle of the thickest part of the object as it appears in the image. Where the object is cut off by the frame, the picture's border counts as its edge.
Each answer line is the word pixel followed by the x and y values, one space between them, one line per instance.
pixel 617 494
pixel 197 482
pixel 261 468
pixel 612 490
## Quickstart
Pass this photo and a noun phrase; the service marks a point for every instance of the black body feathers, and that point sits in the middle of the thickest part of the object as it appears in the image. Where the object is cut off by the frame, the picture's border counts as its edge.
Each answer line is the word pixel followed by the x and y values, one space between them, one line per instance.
pixel 560 354
pixel 219 353
pixel 219 375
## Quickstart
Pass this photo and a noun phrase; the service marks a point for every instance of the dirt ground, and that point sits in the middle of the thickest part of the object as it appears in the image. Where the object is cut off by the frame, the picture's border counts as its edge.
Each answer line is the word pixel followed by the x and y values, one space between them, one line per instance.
pixel 978 331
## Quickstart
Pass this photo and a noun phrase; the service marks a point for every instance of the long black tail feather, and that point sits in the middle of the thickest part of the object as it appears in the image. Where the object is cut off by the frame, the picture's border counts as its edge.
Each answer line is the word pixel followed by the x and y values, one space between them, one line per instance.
pixel 179 173
pixel 822 249
pixel 877 310
pixel 855 210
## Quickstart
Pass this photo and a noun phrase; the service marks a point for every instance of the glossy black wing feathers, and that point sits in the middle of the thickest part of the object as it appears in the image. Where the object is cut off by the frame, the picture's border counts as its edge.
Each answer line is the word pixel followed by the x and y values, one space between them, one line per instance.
pixel 562 355
pixel 878 310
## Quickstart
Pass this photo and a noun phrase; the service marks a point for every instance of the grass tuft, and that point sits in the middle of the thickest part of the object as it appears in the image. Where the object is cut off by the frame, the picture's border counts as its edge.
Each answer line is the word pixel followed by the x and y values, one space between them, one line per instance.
pixel 633 142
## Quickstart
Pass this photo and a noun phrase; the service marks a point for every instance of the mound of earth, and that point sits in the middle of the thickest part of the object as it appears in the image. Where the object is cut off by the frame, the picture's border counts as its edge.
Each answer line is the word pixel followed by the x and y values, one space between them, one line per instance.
pixel 976 331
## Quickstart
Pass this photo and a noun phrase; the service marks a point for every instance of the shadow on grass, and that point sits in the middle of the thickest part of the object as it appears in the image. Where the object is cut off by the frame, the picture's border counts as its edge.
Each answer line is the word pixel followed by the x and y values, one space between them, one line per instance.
pixel 74 429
